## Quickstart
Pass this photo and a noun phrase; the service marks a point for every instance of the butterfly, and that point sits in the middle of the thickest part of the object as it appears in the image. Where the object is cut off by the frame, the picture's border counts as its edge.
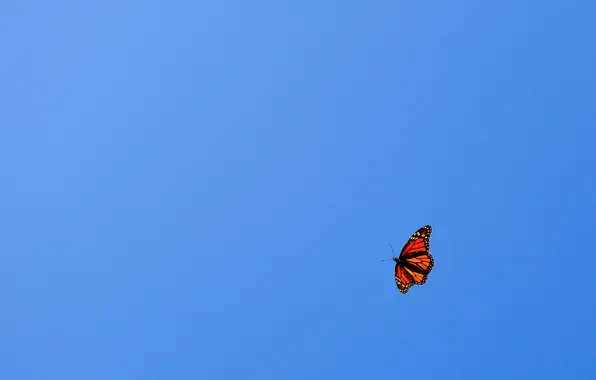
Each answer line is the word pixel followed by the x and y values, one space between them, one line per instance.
pixel 414 262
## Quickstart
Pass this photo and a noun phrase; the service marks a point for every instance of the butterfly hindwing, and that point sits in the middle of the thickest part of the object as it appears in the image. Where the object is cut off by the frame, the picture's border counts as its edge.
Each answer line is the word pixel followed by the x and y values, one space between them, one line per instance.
pixel 421 262
pixel 402 279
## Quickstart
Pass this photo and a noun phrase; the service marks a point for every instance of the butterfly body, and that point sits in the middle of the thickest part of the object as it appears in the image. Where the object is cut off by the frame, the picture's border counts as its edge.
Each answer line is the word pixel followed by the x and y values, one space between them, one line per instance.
pixel 397 260
pixel 414 262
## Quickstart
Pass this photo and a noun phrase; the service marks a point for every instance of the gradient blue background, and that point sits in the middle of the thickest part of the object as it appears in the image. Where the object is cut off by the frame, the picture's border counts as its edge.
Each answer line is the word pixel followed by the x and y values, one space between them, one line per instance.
pixel 204 190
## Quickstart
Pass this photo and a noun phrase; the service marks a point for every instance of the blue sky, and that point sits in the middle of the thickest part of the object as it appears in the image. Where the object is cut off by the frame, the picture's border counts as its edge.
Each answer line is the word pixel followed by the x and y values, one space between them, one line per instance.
pixel 204 190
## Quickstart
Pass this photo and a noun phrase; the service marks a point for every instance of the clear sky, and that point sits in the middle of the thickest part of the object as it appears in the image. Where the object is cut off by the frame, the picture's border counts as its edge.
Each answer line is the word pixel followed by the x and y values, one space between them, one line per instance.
pixel 206 189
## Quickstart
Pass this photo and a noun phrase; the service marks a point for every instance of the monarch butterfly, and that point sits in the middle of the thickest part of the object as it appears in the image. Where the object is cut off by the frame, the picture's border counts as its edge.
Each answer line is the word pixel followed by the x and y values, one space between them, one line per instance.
pixel 414 262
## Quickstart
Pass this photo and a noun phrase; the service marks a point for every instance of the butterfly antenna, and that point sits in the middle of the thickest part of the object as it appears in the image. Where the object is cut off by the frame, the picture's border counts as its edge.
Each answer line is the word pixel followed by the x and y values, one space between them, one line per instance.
pixel 393 254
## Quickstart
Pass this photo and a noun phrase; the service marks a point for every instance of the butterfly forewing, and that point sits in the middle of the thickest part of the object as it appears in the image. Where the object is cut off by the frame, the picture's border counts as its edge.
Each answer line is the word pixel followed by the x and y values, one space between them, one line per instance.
pixel 418 242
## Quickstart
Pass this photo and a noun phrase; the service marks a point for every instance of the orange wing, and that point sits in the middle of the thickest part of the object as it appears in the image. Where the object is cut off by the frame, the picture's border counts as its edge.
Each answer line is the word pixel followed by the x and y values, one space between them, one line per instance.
pixel 418 242
pixel 403 279
pixel 415 261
